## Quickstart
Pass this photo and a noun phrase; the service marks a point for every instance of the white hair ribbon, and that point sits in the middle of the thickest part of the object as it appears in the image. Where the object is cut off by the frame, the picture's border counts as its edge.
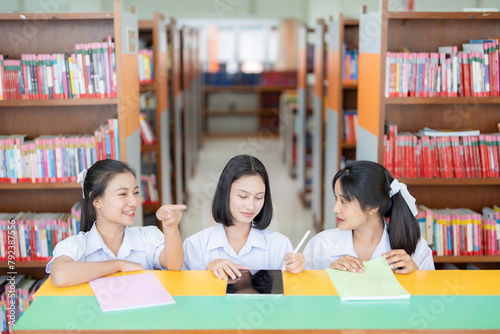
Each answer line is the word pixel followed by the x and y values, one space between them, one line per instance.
pixel 81 179
pixel 397 187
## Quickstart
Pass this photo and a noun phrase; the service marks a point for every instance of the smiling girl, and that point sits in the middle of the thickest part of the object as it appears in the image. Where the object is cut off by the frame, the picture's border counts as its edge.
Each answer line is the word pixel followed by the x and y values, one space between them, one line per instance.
pixel 106 243
pixel 240 240
pixel 366 194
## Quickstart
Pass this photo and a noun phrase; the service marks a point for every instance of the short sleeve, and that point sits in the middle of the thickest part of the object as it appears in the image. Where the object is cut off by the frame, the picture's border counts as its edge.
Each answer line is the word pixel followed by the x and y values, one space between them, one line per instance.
pixel 193 257
pixel 423 256
pixel 74 247
pixel 155 241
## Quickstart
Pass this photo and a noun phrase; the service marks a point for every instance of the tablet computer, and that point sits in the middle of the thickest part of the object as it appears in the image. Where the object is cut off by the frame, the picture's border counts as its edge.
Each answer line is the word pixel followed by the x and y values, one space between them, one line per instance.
pixel 256 282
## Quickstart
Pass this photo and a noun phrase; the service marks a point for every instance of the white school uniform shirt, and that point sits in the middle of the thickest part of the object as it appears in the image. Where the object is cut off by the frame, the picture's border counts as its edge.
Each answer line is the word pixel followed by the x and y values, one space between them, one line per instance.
pixel 140 244
pixel 264 249
pixel 328 246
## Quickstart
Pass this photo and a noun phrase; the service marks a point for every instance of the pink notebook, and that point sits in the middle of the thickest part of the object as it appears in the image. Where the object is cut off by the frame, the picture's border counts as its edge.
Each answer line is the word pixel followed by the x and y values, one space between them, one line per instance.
pixel 131 291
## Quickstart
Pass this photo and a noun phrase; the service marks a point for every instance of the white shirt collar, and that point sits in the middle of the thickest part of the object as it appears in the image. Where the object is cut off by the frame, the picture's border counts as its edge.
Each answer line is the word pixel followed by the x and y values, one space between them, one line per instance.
pixel 218 238
pixel 131 241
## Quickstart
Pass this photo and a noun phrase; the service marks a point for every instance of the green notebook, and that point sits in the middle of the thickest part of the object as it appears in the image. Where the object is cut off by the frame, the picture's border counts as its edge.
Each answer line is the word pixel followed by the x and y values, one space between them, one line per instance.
pixel 377 282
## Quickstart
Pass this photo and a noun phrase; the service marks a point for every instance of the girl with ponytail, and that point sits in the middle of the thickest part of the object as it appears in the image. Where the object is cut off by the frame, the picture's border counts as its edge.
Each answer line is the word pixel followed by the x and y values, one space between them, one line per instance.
pixel 107 242
pixel 376 216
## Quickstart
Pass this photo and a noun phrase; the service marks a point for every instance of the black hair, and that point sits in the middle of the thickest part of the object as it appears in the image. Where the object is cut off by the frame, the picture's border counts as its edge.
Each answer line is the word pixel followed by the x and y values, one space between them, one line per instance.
pixel 370 183
pixel 96 182
pixel 238 167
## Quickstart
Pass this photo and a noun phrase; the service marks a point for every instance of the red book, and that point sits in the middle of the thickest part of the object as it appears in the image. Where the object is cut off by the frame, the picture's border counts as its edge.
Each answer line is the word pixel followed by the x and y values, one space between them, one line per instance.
pixel 477 156
pixel 483 151
pixel 112 138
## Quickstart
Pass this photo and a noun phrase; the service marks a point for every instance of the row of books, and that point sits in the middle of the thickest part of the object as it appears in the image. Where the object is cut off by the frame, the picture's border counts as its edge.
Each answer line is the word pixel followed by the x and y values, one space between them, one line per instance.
pixel 149 189
pixel 36 234
pixel 55 158
pixel 89 72
pixel 461 232
pixel 146 66
pixel 350 126
pixel 350 65
pixel 411 155
pixel 449 72
pixel 16 295
pixel 230 79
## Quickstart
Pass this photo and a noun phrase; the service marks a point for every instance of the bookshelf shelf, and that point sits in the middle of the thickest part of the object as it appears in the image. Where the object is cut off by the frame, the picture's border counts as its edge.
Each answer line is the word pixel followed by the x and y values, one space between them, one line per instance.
pixel 150 207
pixel 348 146
pixel 147 88
pixel 451 182
pixel 33 264
pixel 468 100
pixel 149 148
pixel 247 88
pixel 443 15
pixel 351 85
pixel 39 186
pixel 467 259
pixel 58 16
pixel 61 103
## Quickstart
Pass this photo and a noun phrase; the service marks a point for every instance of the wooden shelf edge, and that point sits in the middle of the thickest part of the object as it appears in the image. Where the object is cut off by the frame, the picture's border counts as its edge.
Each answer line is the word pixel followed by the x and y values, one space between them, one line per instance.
pixel 442 100
pixel 18 264
pixel 149 148
pixel 350 85
pixel 444 15
pixel 57 16
pixel 150 207
pixel 39 186
pixel 349 146
pixel 467 259
pixel 451 182
pixel 55 103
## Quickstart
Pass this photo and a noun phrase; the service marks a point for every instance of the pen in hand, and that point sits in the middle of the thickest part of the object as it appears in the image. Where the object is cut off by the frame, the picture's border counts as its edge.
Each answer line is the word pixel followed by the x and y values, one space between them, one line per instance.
pixel 298 247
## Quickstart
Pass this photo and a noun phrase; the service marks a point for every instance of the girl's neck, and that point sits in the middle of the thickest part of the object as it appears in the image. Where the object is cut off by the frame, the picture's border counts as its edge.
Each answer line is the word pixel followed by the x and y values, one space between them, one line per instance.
pixel 237 235
pixel 112 235
pixel 367 237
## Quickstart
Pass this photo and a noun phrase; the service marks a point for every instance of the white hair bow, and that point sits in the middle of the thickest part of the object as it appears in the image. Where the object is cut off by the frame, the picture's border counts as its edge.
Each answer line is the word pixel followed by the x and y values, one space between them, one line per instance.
pixel 397 187
pixel 81 179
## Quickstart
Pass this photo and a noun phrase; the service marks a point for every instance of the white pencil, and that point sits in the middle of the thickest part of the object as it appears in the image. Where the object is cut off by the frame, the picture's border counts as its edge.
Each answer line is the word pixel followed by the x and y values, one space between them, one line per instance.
pixel 298 247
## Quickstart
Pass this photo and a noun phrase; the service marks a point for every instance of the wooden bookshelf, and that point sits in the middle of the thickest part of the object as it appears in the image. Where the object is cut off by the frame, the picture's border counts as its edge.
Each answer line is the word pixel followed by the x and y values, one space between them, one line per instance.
pixel 60 33
pixel 154 32
pixel 303 114
pixel 411 30
pixel 191 112
pixel 318 118
pixel 340 95
pixel 71 116
pixel 177 138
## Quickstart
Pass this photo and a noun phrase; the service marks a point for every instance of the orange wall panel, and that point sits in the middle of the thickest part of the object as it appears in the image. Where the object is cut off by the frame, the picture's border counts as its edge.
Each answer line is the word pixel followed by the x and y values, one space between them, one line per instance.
pixel 369 88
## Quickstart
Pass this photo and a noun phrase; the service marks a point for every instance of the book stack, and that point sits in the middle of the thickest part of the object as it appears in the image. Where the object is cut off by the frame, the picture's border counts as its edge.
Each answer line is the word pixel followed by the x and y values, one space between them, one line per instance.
pixel 89 72
pixel 441 154
pixel 146 66
pixel 350 66
pixel 15 302
pixel 461 232
pixel 350 126
pixel 147 134
pixel 55 158
pixel 446 73
pixel 149 190
pixel 36 234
